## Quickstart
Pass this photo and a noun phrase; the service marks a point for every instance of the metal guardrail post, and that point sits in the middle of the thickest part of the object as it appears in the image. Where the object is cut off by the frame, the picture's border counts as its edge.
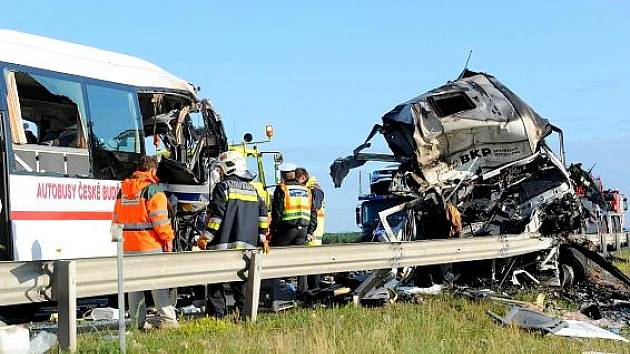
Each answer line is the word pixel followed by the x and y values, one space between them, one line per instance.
pixel 66 296
pixel 252 292
pixel 617 242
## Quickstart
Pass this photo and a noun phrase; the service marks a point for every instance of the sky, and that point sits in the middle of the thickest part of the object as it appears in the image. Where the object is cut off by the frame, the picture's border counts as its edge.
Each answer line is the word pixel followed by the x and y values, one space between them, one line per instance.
pixel 324 72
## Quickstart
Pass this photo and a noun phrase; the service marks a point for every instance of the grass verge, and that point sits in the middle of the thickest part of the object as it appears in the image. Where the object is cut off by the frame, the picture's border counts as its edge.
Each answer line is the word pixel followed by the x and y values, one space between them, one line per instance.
pixel 624 266
pixel 437 325
pixel 341 237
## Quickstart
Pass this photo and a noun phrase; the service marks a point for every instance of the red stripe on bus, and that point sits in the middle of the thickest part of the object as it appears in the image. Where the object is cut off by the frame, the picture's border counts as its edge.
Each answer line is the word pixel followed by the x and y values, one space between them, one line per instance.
pixel 61 215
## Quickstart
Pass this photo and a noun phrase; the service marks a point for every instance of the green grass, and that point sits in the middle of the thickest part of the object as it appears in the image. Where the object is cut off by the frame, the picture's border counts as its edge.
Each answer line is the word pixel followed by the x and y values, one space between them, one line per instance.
pixel 440 324
pixel 624 266
pixel 437 325
pixel 341 237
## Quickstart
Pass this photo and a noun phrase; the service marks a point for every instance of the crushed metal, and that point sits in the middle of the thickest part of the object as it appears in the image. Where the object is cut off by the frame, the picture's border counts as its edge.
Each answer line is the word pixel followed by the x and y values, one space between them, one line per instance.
pixel 472 159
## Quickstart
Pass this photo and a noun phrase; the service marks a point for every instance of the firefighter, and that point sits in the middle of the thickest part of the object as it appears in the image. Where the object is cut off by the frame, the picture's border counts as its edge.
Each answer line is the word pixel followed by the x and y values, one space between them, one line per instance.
pixel 142 208
pixel 237 219
pixel 318 202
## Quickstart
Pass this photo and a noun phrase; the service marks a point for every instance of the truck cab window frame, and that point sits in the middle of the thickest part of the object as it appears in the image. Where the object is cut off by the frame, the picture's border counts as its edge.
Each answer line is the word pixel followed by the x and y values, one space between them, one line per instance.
pixel 447 104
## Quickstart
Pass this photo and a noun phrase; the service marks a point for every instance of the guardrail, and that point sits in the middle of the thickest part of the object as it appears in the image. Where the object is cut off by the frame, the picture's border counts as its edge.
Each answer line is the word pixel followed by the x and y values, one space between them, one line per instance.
pixel 65 281
pixel 616 240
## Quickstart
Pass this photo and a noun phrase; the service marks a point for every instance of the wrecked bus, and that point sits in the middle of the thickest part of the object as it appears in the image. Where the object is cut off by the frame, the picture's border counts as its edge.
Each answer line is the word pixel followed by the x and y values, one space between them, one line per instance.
pixel 74 121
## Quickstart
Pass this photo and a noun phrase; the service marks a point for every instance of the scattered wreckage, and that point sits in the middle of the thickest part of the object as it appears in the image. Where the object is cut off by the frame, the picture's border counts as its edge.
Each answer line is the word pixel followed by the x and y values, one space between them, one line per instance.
pixel 472 160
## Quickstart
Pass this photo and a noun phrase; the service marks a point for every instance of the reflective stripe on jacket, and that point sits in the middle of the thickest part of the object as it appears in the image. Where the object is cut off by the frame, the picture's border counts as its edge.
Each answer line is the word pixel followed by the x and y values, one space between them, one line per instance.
pixel 142 208
pixel 237 215
pixel 297 202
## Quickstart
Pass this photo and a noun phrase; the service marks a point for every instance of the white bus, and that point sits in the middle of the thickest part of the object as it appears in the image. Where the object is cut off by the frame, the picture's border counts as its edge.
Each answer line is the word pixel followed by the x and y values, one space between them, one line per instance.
pixel 74 121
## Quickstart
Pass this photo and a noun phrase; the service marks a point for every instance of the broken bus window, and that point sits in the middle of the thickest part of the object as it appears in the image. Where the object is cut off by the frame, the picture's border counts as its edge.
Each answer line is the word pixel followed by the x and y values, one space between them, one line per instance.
pixel 48 124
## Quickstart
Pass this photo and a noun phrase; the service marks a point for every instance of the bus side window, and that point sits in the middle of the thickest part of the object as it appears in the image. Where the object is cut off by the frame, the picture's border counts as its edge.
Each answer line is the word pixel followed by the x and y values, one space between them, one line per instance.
pixel 48 124
pixel 115 131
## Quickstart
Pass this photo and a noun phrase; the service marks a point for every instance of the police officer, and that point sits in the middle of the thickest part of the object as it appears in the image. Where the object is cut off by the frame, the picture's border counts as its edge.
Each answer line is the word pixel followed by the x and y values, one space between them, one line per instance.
pixel 237 219
pixel 293 214
pixel 318 202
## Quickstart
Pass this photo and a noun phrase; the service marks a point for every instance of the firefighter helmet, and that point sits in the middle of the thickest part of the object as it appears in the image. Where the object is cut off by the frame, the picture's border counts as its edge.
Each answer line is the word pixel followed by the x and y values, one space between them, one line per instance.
pixel 233 163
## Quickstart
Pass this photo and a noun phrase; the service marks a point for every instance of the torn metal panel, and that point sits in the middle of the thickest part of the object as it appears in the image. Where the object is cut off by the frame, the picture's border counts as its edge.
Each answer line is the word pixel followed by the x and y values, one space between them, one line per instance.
pixel 581 329
pixel 341 166
pixel 530 319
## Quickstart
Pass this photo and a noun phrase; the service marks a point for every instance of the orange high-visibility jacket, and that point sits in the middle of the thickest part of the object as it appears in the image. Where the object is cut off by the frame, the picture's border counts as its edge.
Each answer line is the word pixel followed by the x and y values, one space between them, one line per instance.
pixel 141 207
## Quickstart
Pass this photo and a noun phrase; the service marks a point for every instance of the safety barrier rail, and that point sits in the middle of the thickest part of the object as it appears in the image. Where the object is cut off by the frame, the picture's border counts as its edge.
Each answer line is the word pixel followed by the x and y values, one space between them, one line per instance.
pixel 616 240
pixel 66 280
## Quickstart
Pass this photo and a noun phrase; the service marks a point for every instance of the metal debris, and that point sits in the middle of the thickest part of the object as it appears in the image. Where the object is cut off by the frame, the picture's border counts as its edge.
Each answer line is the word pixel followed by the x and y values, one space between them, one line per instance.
pixel 581 329
pixel 529 319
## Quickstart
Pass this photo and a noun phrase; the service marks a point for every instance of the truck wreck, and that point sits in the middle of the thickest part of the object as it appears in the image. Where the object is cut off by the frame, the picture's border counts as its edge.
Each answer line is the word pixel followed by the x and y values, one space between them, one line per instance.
pixel 473 161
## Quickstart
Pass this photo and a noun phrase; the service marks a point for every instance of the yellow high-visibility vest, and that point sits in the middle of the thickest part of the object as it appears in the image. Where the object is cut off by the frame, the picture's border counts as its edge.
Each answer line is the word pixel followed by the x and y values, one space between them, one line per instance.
pixel 297 202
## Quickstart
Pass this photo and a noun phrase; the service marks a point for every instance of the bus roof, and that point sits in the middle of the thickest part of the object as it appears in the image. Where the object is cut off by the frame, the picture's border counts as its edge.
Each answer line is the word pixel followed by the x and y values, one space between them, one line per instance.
pixel 70 58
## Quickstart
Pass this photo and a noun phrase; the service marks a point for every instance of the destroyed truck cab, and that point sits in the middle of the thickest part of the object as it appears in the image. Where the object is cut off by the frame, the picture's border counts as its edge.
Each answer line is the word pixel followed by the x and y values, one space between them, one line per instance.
pixel 473 160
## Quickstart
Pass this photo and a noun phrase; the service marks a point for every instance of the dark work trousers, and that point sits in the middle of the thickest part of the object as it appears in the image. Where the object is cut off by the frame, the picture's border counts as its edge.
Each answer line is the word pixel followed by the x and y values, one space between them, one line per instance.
pixel 288 237
pixel 216 305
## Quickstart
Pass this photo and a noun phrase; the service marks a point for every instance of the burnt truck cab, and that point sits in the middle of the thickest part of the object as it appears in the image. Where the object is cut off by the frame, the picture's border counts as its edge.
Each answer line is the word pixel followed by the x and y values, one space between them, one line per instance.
pixel 473 161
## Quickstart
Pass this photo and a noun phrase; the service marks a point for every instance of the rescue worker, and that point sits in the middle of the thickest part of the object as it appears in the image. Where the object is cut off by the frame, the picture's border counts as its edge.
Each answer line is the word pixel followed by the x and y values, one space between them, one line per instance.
pixel 318 202
pixel 293 215
pixel 237 219
pixel 142 208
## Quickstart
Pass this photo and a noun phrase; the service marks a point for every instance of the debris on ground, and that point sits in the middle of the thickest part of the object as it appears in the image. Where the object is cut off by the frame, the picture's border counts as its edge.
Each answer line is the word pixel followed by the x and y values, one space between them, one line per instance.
pixel 529 319
pixel 42 342
pixel 534 320
pixel 102 313
pixel 14 339
pixel 581 329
